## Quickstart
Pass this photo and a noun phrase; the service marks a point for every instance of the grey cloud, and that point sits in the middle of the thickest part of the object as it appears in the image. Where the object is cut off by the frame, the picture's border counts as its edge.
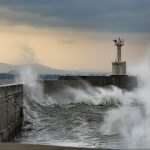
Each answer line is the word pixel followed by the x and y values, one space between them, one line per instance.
pixel 24 18
pixel 108 15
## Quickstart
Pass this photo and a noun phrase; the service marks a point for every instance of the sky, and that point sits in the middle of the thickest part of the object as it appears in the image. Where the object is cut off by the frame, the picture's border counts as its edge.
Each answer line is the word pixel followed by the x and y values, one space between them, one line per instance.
pixel 73 34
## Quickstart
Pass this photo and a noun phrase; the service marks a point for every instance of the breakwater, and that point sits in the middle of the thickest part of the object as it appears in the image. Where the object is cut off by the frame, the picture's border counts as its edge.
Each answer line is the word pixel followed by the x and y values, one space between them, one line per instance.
pixel 11 111
pixel 124 82
pixel 11 97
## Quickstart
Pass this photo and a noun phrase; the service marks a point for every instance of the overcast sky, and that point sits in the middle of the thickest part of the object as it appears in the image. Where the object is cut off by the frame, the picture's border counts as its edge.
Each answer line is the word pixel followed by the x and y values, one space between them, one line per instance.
pixel 73 34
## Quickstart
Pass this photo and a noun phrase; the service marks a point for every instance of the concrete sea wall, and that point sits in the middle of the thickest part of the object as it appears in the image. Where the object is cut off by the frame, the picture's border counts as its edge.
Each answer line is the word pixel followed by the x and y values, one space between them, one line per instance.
pixel 11 112
pixel 123 82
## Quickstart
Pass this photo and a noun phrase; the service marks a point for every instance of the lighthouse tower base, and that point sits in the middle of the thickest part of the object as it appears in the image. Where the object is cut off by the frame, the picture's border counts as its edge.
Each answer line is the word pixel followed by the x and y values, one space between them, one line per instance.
pixel 119 68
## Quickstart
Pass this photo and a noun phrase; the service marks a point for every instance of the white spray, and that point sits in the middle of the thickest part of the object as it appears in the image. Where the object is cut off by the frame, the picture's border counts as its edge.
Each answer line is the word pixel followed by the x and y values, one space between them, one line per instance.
pixel 33 86
pixel 30 79
pixel 132 119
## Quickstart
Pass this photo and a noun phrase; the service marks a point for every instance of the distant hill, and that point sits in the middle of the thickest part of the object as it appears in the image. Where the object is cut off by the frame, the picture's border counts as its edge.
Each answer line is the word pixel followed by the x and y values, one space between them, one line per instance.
pixel 41 69
pixel 4 68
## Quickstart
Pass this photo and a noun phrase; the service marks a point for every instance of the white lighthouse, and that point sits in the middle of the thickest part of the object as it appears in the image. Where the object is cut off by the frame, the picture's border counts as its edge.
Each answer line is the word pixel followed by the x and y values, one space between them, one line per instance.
pixel 118 66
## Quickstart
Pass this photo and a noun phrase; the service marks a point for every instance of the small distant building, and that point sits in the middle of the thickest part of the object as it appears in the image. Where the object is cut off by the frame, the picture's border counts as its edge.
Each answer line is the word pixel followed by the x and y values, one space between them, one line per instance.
pixel 119 66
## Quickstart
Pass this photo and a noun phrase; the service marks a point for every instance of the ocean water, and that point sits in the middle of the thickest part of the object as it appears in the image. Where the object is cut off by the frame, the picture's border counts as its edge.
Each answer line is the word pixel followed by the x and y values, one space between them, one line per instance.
pixel 92 117
pixel 76 124
pixel 69 125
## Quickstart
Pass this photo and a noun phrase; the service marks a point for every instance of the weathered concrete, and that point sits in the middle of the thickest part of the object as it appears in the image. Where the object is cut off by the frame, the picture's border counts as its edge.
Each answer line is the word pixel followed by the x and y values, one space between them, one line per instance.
pixel 11 115
pixel 119 68
pixel 123 82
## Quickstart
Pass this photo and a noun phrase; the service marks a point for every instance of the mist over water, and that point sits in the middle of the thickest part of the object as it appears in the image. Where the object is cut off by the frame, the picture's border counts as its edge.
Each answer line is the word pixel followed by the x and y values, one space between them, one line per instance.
pixel 132 119
pixel 90 117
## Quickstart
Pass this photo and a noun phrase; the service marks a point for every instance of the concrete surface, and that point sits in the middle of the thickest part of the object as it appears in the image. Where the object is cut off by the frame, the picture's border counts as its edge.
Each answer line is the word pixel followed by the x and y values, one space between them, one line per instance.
pixel 38 147
pixel 123 82
pixel 11 115
pixel 119 68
